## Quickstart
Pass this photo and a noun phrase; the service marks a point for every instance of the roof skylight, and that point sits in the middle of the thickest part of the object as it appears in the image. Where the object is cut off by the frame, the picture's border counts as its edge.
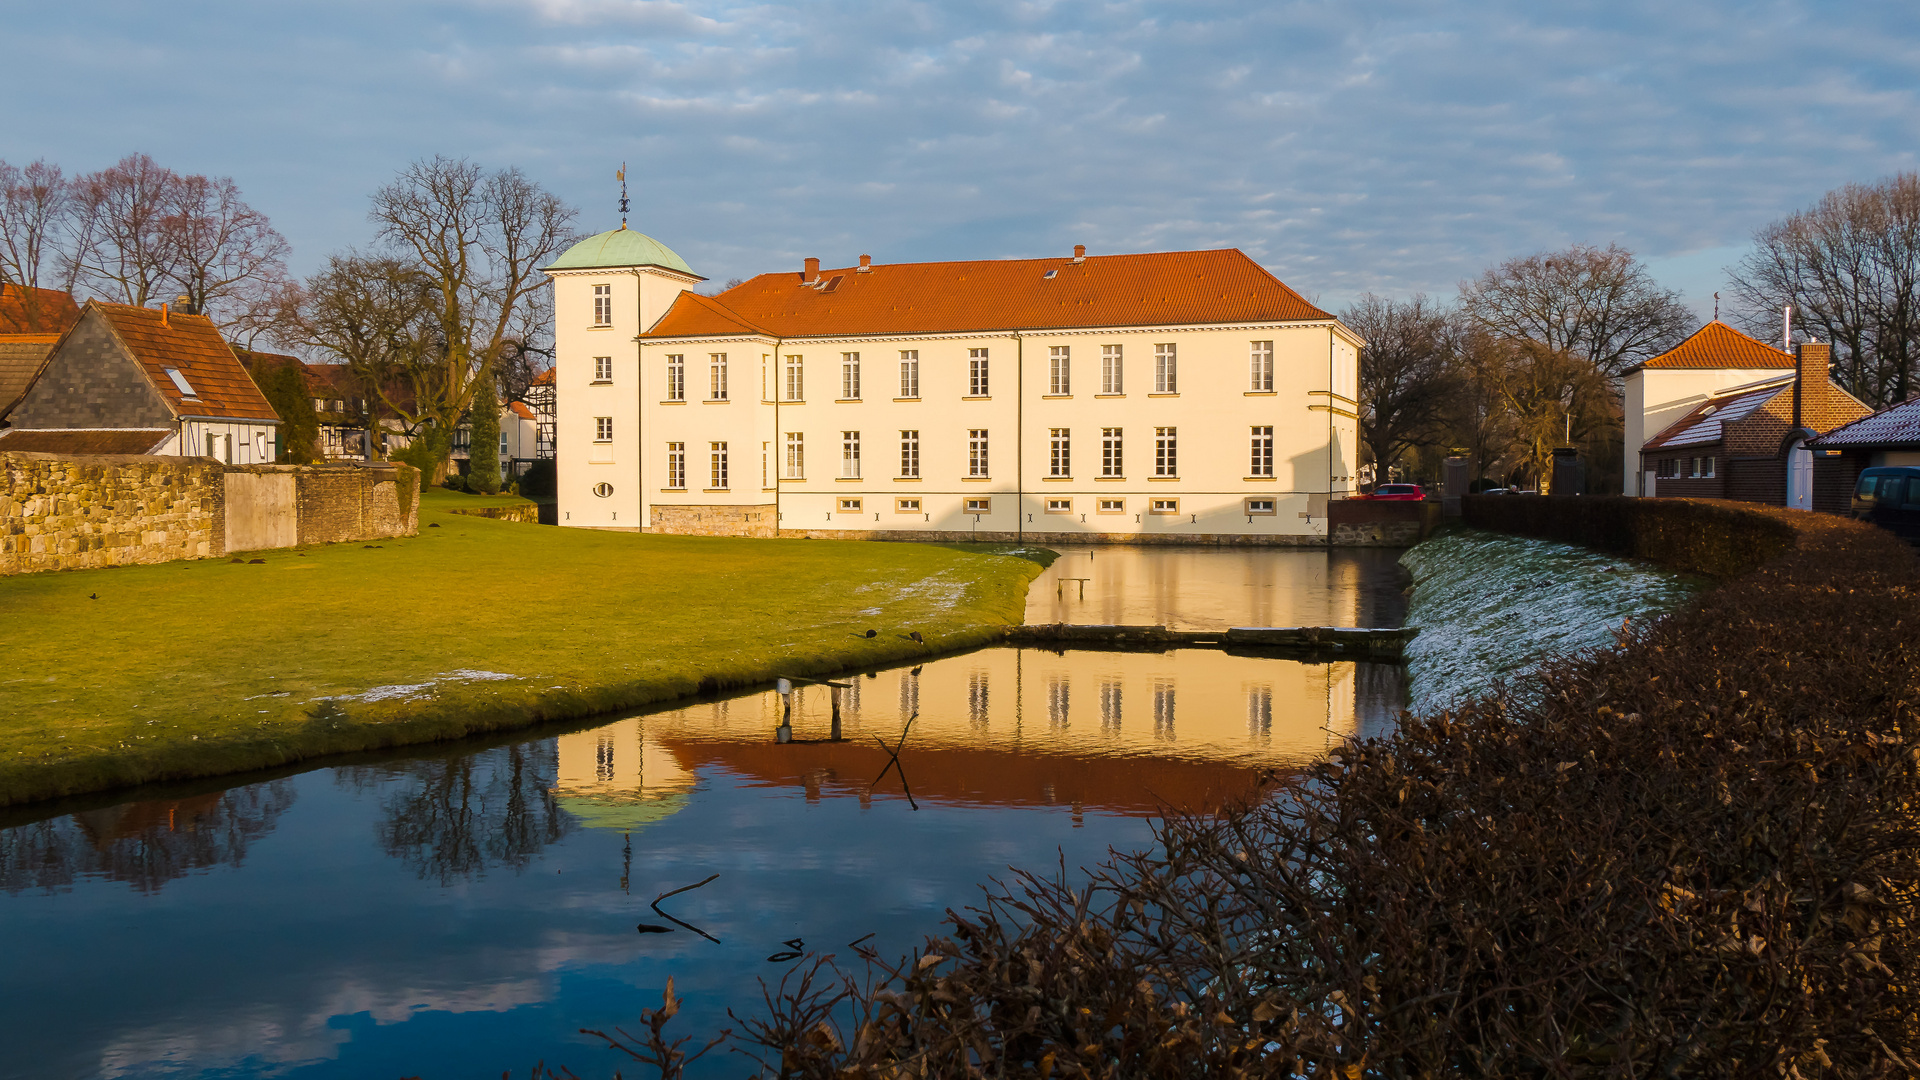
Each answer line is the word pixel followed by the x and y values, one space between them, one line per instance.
pixel 180 381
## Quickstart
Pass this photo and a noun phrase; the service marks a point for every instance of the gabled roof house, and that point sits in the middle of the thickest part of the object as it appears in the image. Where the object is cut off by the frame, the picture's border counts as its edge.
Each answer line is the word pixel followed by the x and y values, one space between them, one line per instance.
pixel 133 380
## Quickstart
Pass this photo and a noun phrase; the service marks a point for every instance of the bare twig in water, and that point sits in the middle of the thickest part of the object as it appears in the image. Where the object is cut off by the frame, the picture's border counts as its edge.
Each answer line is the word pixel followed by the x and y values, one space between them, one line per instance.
pixel 677 922
pixel 654 1049
pixel 893 761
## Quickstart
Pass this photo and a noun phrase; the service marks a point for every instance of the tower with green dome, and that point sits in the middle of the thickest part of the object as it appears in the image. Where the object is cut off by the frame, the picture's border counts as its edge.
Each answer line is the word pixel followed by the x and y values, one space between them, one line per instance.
pixel 607 290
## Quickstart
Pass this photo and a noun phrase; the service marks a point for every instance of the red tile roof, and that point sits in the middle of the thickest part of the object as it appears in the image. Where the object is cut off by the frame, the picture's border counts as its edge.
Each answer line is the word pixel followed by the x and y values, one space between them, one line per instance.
pixel 1706 422
pixel 1717 345
pixel 21 358
pixel 520 410
pixel 190 344
pixel 83 440
pixel 26 310
pixel 1166 288
pixel 1893 426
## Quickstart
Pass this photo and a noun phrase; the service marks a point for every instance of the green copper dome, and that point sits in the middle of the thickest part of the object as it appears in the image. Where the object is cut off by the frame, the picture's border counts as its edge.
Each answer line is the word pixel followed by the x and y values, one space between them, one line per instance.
pixel 621 247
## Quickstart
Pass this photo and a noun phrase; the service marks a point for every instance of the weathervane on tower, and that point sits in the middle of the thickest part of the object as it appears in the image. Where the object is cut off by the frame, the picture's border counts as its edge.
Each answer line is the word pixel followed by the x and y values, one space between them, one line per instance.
pixel 622 177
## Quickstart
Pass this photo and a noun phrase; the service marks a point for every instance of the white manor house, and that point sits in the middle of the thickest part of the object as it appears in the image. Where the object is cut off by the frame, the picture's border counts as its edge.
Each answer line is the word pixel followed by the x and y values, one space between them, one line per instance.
pixel 1171 397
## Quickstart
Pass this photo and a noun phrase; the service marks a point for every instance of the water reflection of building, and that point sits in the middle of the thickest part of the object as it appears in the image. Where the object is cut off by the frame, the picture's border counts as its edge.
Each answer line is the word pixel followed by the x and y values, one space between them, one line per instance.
pixel 146 843
pixel 1115 732
pixel 616 777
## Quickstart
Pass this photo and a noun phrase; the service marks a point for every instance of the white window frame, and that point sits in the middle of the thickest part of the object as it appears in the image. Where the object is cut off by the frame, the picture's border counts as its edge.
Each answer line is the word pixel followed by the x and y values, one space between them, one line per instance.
pixel 978 384
pixel 677 466
pixel 977 460
pixel 909 504
pixel 603 429
pixel 1112 369
pixel 603 369
pixel 1060 451
pixel 717 466
pixel 852 504
pixel 796 377
pixel 1166 451
pixel 1060 506
pixel 1163 505
pixel 982 504
pixel 1262 506
pixel 717 376
pixel 910 452
pixel 909 373
pixel 676 377
pixel 849 455
pixel 850 376
pixel 1060 370
pixel 796 455
pixel 1113 452
pixel 1166 368
pixel 1260 367
pixel 1260 463
pixel 603 305
pixel 1110 506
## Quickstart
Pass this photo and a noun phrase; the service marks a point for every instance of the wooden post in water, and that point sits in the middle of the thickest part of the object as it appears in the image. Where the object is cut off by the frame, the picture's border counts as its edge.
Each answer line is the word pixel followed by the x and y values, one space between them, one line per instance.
pixel 835 687
pixel 784 733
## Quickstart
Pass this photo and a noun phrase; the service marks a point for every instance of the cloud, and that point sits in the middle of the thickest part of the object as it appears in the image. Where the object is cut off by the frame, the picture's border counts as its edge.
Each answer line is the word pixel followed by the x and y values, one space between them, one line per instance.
pixel 1386 146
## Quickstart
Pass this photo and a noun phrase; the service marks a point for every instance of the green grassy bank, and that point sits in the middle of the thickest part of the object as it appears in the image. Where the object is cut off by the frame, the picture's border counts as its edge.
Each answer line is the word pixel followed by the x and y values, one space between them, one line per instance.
pixel 190 669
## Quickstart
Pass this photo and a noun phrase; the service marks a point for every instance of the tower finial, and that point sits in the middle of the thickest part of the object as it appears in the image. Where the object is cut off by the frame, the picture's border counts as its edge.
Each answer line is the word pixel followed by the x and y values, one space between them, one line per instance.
pixel 1716 307
pixel 622 177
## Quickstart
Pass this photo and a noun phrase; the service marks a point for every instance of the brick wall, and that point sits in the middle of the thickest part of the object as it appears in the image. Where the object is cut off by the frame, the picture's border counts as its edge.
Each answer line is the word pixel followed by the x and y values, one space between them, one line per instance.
pixel 119 510
pixel 1834 479
pixel 1370 523
pixel 84 513
pixel 1757 480
pixel 92 383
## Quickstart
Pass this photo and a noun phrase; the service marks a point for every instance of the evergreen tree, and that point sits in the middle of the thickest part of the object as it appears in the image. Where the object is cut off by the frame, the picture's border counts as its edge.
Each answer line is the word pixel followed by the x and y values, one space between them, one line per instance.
pixel 483 474
pixel 284 385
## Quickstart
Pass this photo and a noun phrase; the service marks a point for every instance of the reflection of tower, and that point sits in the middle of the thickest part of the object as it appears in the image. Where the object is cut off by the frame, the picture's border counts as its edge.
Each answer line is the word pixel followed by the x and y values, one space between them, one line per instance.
pixel 719 713
pixel 603 758
pixel 1057 702
pixel 1260 711
pixel 977 698
pixel 909 694
pixel 850 697
pixel 1163 710
pixel 1110 706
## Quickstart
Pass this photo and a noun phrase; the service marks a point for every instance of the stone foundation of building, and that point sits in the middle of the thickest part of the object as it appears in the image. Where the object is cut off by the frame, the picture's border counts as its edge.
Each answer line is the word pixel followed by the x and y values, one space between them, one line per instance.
pixel 715 520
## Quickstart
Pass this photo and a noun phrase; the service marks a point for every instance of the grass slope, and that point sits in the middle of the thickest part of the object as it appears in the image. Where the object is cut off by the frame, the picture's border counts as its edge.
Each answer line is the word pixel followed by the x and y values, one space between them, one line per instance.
pixel 193 669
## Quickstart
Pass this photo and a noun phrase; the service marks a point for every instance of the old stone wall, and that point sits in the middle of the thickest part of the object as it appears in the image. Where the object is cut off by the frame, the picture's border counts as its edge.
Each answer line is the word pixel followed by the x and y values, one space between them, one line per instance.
pixel 60 513
pixel 113 510
pixel 1382 523
pixel 527 514
pixel 716 520
pixel 1032 536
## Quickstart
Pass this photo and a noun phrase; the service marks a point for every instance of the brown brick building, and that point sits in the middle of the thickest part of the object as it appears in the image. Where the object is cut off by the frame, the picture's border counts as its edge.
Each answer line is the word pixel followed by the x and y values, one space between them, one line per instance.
pixel 1888 437
pixel 1751 442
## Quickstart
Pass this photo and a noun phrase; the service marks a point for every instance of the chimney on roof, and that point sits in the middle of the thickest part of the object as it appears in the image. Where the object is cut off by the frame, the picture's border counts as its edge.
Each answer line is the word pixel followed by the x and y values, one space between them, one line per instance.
pixel 1079 253
pixel 185 305
pixel 866 264
pixel 1811 385
pixel 163 315
pixel 813 271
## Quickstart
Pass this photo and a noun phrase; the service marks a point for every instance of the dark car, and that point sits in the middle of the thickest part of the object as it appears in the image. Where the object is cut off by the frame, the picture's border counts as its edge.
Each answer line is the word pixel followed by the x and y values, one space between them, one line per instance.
pixel 1889 496
pixel 1402 492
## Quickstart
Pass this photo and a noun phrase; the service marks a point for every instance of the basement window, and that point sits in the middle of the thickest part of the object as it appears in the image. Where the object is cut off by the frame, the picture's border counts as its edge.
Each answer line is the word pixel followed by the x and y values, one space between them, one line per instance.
pixel 179 380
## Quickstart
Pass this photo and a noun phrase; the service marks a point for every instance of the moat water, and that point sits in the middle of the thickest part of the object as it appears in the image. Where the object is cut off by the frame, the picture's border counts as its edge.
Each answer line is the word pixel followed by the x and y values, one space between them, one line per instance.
pixel 466 910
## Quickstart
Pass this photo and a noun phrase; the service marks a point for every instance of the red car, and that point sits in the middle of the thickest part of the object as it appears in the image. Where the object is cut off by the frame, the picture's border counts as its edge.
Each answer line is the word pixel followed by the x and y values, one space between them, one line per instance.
pixel 1398 492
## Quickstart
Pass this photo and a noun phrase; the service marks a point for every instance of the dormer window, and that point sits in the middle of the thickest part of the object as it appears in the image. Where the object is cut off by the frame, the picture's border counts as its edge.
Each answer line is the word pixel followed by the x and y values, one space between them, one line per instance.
pixel 179 380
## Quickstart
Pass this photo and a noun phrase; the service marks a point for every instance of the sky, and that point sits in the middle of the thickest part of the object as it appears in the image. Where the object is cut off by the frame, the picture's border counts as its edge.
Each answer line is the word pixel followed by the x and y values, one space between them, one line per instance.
pixel 1350 147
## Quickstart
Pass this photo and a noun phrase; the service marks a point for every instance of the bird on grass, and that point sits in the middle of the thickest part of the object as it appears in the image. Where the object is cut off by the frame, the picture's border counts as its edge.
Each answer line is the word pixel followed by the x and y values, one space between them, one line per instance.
pixel 93 596
pixel 872 633
pixel 917 638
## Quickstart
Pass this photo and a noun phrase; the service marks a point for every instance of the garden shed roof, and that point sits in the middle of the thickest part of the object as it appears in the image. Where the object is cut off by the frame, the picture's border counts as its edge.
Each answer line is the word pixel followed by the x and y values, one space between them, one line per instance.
pixel 1895 425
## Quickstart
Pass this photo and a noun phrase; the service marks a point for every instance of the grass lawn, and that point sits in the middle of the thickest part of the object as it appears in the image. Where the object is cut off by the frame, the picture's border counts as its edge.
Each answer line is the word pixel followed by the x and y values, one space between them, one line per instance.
pixel 194 669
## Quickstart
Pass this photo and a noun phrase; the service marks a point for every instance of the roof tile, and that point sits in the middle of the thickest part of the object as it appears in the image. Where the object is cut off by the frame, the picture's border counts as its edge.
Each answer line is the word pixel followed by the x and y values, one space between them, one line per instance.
pixel 1706 423
pixel 1895 425
pixel 83 440
pixel 192 345
pixel 1717 345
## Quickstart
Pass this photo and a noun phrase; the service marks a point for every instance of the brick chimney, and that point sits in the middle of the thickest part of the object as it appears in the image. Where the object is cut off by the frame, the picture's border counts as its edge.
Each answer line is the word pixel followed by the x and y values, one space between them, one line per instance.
pixel 1079 253
pixel 866 264
pixel 813 271
pixel 1812 388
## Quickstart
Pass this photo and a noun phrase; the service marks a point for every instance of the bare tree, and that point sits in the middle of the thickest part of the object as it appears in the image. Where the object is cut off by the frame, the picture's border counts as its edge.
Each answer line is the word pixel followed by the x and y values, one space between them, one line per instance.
pixel 478 239
pixel 378 315
pixel 1409 374
pixel 33 207
pixel 224 255
pixel 121 247
pixel 1548 397
pixel 1850 266
pixel 1598 304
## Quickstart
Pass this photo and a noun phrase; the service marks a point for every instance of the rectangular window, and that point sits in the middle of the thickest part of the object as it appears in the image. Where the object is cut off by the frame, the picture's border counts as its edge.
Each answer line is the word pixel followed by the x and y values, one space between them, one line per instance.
pixel 1260 506
pixel 910 453
pixel 1113 506
pixel 181 384
pixel 677 465
pixel 603 305
pixel 796 378
pixel 1060 370
pixel 796 456
pixel 910 373
pixel 1059 506
pixel 676 377
pixel 603 369
pixel 603 429
pixel 1261 365
pixel 1262 462
pixel 977 452
pixel 1166 369
pixel 717 463
pixel 976 372
pixel 717 376
pixel 1111 453
pixel 906 506
pixel 979 506
pixel 1164 506
pixel 850 376
pixel 850 506
pixel 1061 461
pixel 765 452
pixel 1110 382
pixel 1706 467
pixel 1166 451
pixel 850 455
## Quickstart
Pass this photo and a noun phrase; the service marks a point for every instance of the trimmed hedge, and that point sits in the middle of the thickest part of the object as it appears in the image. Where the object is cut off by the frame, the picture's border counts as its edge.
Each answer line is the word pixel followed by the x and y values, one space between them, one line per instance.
pixel 1700 536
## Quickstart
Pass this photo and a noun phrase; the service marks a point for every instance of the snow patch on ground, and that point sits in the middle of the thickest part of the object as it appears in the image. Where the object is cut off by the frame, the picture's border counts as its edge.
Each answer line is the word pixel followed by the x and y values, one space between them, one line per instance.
pixel 1490 606
pixel 410 691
